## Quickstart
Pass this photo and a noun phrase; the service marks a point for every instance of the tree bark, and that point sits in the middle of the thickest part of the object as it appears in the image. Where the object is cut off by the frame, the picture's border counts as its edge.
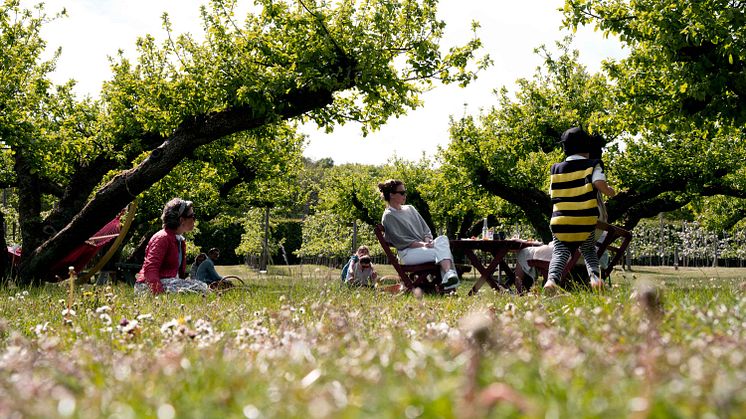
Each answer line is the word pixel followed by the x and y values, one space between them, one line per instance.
pixel 29 204
pixel 244 174
pixel 138 255
pixel 534 203
pixel 4 259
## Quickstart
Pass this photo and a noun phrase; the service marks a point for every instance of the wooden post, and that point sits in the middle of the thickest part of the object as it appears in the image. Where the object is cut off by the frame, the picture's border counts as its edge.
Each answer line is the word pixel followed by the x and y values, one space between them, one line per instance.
pixel 4 225
pixel 354 236
pixel 265 243
pixel 661 245
pixel 716 242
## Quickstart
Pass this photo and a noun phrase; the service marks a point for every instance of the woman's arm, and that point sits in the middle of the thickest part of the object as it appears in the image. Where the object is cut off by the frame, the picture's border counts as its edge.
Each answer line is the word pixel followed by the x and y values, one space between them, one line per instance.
pixel 151 266
pixel 415 245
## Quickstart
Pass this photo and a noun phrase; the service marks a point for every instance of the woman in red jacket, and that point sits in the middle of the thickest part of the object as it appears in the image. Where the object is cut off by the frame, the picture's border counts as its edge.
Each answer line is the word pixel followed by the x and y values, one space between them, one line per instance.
pixel 164 268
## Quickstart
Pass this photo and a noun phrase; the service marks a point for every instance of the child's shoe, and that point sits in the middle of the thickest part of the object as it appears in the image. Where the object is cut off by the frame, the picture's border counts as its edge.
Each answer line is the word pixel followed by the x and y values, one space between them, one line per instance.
pixel 551 287
pixel 450 280
pixel 596 283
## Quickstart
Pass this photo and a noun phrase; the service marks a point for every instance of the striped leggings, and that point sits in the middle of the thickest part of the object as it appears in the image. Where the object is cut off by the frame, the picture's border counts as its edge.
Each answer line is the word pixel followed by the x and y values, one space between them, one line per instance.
pixel 562 253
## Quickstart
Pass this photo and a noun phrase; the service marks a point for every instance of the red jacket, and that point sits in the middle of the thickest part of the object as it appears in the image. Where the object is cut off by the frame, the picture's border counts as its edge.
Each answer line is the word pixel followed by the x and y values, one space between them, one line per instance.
pixel 162 260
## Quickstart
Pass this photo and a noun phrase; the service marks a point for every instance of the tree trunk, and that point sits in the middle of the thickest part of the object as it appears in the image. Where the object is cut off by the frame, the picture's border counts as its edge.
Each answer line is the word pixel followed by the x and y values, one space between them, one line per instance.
pixel 4 259
pixel 138 256
pixel 29 205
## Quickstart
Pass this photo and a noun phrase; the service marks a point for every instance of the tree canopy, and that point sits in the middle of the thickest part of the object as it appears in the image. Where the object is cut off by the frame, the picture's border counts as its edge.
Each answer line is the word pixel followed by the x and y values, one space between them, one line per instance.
pixel 686 58
pixel 507 151
pixel 288 61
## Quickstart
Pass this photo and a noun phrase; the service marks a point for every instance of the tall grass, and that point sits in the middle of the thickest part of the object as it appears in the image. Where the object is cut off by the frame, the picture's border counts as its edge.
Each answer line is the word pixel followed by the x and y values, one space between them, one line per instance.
pixel 294 343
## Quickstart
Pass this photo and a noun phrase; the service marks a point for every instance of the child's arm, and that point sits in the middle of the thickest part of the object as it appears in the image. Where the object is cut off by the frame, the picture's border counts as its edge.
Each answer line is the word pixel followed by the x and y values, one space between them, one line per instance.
pixel 351 271
pixel 604 187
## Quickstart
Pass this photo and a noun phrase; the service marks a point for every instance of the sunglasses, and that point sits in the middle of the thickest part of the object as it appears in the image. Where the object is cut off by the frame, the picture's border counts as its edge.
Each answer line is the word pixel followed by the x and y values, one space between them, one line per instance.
pixel 402 193
pixel 192 216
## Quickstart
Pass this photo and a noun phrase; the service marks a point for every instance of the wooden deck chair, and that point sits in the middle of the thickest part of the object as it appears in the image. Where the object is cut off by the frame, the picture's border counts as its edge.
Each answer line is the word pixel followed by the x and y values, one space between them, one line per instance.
pixel 610 242
pixel 412 276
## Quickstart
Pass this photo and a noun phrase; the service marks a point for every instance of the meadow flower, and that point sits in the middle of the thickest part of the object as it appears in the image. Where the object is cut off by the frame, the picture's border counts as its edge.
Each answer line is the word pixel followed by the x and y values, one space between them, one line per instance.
pixel 310 378
pixel 105 318
pixel 477 326
pixel 251 412
pixel 170 325
pixel 103 309
pixel 40 329
pixel 66 406
pixel 129 327
pixel 68 312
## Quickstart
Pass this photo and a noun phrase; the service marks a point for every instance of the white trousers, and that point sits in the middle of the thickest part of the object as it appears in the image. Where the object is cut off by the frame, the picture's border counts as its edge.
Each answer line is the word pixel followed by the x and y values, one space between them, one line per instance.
pixel 440 251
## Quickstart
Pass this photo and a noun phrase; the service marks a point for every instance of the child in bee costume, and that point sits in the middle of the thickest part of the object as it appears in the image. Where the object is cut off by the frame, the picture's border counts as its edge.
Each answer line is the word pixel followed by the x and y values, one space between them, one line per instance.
pixel 575 209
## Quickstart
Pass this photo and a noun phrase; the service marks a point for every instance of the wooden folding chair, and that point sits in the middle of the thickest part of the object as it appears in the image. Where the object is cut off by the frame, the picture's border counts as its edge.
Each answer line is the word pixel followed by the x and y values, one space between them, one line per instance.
pixel 613 233
pixel 425 276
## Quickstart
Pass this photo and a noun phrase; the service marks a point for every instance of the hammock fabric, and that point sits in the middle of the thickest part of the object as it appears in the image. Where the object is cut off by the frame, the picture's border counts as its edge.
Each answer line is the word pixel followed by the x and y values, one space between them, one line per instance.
pixel 79 257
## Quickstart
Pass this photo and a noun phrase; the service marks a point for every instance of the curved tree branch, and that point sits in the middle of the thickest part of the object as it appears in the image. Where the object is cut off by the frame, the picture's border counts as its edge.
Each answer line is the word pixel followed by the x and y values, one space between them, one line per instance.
pixel 192 133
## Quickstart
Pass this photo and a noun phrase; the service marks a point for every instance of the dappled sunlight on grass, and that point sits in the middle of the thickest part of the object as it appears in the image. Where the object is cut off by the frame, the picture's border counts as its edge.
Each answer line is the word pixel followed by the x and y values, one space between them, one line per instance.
pixel 294 342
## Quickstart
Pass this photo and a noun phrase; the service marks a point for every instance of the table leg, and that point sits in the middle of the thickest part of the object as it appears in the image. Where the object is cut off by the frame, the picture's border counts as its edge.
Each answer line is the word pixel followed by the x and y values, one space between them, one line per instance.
pixel 488 271
pixel 510 274
pixel 477 264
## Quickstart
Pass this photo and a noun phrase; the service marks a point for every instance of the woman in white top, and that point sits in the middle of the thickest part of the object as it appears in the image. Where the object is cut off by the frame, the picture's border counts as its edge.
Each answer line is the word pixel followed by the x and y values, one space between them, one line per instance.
pixel 407 231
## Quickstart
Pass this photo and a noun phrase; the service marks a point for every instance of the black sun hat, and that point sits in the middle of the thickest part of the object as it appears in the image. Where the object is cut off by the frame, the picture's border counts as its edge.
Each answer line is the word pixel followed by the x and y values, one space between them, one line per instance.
pixel 575 141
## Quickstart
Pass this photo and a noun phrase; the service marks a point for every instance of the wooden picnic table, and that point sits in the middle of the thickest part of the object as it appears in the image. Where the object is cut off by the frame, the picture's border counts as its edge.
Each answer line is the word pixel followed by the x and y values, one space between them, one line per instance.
pixel 498 249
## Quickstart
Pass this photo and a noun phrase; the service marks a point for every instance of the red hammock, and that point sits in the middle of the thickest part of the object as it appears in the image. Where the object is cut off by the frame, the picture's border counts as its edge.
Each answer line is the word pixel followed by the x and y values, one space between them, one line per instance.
pixel 79 257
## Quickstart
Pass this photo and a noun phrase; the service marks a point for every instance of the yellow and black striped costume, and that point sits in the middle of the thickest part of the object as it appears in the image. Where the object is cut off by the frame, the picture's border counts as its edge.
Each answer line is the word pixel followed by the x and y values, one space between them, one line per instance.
pixel 574 204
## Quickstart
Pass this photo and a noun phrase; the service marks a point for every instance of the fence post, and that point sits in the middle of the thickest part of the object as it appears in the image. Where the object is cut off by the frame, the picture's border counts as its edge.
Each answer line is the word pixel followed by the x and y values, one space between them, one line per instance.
pixel 265 242
pixel 628 258
pixel 354 236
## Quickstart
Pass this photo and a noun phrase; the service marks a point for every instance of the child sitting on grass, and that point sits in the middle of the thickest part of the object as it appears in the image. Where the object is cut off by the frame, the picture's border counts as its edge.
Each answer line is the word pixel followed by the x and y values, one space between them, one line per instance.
pixel 362 273
pixel 360 269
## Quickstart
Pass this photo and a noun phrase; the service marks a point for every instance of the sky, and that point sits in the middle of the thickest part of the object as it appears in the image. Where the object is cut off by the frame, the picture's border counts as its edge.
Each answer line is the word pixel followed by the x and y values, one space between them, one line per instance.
pixel 510 31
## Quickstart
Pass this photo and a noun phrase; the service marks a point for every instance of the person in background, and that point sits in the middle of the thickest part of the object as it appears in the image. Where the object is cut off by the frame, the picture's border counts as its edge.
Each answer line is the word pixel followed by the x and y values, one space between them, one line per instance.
pixel 407 231
pixel 197 261
pixel 362 273
pixel 206 271
pixel 361 251
pixel 164 267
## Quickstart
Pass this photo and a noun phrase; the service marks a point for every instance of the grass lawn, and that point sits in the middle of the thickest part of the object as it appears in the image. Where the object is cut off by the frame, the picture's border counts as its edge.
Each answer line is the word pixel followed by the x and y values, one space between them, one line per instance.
pixel 294 343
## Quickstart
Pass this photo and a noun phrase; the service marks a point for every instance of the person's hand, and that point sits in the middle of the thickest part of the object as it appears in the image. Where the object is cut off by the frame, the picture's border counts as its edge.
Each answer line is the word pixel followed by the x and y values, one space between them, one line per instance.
pixel 429 243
